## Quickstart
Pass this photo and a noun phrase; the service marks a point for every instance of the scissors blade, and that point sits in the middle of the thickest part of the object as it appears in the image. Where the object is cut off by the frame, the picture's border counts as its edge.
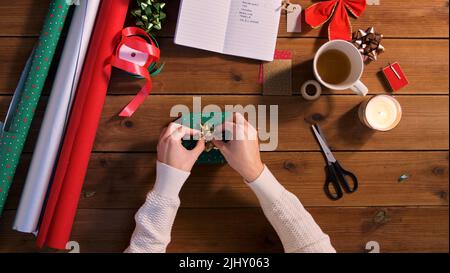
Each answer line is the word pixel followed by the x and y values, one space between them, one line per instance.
pixel 323 145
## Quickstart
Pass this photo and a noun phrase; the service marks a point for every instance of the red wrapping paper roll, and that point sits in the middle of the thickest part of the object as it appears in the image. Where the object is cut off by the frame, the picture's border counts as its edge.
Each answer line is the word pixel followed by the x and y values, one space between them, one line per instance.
pixel 81 130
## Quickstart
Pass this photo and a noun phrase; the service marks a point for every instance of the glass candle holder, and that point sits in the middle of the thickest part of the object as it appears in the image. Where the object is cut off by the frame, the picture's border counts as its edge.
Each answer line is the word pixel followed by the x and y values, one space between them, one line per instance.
pixel 381 113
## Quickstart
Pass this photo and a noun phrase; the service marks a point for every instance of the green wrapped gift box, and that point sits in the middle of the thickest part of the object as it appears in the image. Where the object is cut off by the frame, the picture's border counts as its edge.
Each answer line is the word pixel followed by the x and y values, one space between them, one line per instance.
pixel 196 121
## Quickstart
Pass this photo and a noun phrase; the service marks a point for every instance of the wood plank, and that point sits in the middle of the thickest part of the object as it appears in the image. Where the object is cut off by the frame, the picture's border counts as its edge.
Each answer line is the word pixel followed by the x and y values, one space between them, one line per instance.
pixel 123 180
pixel 393 18
pixel 424 125
pixel 195 71
pixel 246 230
pixel 23 18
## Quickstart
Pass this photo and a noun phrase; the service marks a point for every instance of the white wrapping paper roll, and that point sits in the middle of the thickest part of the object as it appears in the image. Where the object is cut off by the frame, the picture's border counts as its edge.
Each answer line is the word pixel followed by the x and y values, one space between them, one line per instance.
pixel 56 115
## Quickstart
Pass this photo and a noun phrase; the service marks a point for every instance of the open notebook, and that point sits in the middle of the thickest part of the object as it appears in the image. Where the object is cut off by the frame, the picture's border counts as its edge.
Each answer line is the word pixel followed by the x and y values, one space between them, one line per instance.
pixel 246 28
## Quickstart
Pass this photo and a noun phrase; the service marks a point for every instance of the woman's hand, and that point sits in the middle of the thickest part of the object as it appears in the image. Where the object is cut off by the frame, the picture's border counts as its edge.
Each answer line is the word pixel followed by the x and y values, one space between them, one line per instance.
pixel 242 152
pixel 171 151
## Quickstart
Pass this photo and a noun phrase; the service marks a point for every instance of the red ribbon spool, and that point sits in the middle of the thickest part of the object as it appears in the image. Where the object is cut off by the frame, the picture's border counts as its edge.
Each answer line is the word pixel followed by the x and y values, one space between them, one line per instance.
pixel 136 39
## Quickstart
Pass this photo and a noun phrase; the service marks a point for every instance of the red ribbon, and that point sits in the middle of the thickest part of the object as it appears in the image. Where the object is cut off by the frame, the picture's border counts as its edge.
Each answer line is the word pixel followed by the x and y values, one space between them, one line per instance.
pixel 138 40
pixel 336 10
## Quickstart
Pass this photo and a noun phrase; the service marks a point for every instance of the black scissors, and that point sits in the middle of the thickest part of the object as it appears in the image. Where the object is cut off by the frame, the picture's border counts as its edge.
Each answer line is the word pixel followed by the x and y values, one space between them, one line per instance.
pixel 337 176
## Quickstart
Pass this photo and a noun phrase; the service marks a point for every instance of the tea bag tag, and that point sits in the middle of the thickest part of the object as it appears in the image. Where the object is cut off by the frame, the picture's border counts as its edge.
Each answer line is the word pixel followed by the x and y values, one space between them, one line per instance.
pixel 373 2
pixel 294 23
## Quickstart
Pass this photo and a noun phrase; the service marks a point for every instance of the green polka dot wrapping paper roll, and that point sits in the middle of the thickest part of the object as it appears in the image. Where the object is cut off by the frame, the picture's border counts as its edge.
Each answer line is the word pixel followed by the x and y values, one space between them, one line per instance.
pixel 15 131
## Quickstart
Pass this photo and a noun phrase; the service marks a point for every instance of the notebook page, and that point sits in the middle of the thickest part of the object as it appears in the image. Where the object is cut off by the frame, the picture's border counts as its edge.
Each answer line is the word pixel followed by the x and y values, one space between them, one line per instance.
pixel 253 28
pixel 202 24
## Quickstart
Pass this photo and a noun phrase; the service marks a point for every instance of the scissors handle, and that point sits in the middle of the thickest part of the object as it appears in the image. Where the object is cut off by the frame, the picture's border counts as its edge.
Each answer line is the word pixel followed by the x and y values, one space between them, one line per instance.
pixel 348 180
pixel 338 178
pixel 332 188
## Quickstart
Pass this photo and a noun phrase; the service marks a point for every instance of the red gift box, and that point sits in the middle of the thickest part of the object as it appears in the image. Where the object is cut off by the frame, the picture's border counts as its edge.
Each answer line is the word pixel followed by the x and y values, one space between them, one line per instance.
pixel 395 76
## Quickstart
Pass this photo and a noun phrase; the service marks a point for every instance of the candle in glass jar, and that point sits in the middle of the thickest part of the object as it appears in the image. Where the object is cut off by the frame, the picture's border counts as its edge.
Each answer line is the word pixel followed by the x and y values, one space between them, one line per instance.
pixel 382 113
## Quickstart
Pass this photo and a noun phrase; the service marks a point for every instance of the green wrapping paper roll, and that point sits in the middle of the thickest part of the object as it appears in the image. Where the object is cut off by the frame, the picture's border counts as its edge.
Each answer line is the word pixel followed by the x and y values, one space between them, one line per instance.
pixel 14 135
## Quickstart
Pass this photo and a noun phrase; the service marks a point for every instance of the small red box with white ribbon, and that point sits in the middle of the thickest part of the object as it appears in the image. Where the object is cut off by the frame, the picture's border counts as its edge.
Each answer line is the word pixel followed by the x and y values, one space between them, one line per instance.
pixel 395 76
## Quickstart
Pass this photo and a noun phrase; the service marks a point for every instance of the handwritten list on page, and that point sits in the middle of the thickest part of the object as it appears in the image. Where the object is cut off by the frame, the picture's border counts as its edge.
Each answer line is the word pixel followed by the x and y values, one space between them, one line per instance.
pixel 246 28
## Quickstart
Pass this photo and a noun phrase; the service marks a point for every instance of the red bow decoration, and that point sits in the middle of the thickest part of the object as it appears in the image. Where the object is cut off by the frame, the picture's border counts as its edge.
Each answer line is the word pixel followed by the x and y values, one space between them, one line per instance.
pixel 138 40
pixel 336 10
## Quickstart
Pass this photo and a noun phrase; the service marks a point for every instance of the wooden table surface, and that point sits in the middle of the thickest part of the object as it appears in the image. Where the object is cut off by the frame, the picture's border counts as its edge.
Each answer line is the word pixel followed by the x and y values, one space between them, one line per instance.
pixel 218 212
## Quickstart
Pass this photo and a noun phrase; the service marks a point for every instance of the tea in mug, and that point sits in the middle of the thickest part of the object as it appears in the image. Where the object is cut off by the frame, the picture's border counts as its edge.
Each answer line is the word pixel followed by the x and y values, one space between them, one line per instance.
pixel 334 66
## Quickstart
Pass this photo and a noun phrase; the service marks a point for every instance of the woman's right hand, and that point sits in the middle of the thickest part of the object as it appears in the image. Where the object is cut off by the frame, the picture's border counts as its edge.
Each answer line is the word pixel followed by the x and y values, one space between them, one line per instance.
pixel 242 151
pixel 170 150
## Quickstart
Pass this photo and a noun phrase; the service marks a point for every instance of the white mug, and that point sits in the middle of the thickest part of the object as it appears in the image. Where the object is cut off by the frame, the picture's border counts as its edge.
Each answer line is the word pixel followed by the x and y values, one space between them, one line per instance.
pixel 357 67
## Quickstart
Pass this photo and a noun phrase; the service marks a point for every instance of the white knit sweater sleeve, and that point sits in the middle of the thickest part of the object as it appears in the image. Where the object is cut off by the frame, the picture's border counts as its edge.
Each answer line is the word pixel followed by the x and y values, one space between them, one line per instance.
pixel 297 229
pixel 155 218
pixel 294 225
